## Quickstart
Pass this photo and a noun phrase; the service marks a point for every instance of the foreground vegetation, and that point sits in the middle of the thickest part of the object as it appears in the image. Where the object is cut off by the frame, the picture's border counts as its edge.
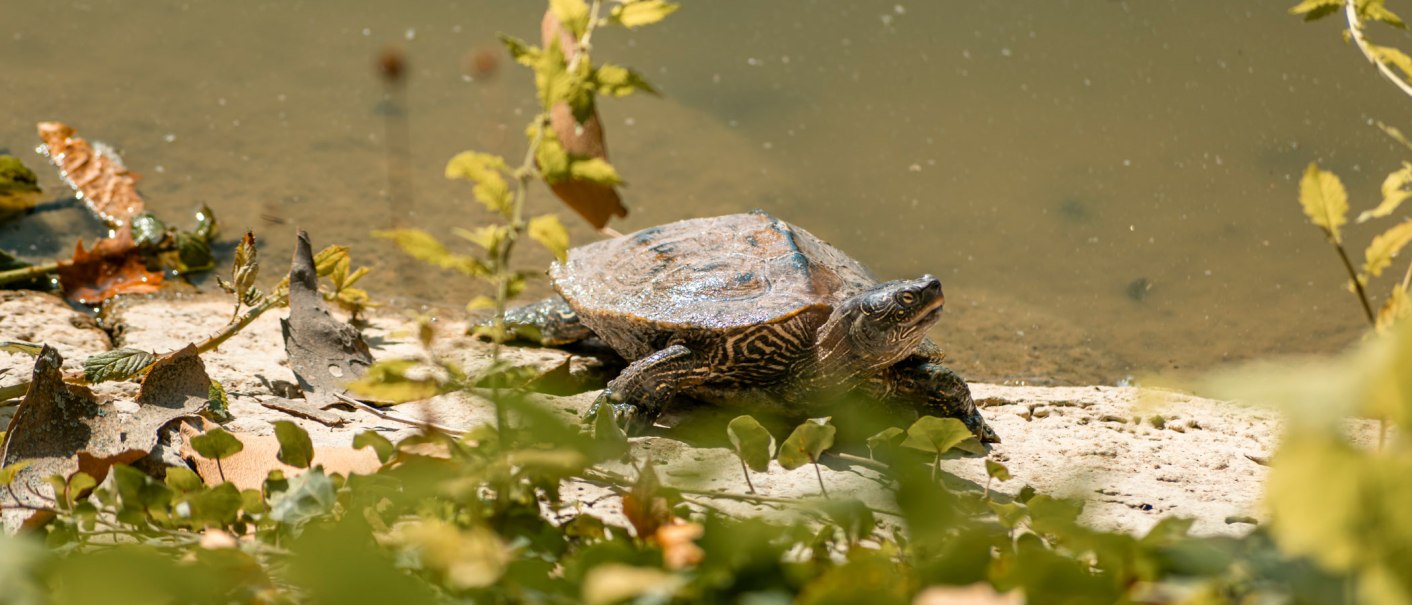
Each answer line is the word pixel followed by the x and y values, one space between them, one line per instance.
pixel 481 517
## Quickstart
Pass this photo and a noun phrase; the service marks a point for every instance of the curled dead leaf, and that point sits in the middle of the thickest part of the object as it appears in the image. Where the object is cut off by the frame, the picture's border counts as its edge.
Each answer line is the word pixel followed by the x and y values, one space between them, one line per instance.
pixel 111 267
pixel 95 172
pixel 596 203
pixel 63 429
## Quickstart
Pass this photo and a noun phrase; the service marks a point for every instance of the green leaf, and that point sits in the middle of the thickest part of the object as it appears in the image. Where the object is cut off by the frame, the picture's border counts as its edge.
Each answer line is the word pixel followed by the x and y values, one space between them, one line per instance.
pixel 216 444
pixel 8 473
pixel 1054 516
pixel 1009 514
pixel 308 495
pixel 295 448
pixel 1316 9
pixel 522 52
pixel 118 364
pixel 608 438
pixel 936 435
pixel 594 170
pixel 388 381
pixel 217 403
pixel 480 302
pixel 806 443
pixel 550 233
pixel 753 444
pixel 1397 307
pixel 215 507
pixel 1395 191
pixel 380 444
pixel 488 237
pixel 573 14
pixel 637 13
pixel 182 479
pixel 487 172
pixel 1394 57
pixel 1324 200
pixel 888 436
pixel 1385 247
pixel 1375 10
pixel 21 347
pixel 996 470
pixel 553 161
pixel 619 81
pixel 424 247
pixel 148 231
pixel 611 583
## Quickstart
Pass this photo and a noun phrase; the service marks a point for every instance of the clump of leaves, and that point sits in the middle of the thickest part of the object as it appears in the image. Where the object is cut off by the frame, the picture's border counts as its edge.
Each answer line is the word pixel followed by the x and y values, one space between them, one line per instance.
pixel 1325 202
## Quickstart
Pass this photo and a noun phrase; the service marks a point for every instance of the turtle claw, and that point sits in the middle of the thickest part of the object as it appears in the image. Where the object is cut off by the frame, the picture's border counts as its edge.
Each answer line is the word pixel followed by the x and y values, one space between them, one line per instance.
pixel 631 418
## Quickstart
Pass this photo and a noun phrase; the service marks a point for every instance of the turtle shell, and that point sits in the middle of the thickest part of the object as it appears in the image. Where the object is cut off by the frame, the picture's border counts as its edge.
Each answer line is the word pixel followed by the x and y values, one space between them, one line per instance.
pixel 717 274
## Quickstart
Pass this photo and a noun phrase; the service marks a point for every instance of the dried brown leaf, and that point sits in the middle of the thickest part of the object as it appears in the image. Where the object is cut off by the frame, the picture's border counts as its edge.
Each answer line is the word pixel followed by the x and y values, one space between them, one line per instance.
pixel 111 267
pixel 594 202
pixel 95 172
pixel 325 354
pixel 64 429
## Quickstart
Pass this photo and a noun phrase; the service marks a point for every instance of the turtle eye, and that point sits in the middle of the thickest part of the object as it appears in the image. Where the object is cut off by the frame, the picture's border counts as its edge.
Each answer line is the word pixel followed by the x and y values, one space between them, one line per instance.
pixel 906 298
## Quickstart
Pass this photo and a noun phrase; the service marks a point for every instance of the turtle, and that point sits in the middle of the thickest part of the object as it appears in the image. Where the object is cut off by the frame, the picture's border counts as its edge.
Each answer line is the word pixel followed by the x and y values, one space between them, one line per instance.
pixel 747 307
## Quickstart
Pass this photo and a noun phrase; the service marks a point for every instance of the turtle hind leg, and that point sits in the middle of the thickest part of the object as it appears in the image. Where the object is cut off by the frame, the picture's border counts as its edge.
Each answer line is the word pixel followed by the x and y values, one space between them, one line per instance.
pixel 550 322
pixel 639 395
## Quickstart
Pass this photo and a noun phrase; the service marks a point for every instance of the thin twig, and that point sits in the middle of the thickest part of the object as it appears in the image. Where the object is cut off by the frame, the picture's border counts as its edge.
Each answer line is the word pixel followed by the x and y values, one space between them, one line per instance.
pixel 27 273
pixel 1357 283
pixel 385 415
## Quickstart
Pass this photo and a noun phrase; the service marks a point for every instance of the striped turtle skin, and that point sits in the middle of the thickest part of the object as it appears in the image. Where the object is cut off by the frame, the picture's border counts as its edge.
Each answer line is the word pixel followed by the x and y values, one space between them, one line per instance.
pixel 741 306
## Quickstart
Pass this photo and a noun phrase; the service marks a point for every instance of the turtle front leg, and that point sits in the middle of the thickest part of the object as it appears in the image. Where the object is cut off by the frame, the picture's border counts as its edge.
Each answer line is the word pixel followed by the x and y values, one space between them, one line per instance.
pixel 550 322
pixel 931 389
pixel 641 392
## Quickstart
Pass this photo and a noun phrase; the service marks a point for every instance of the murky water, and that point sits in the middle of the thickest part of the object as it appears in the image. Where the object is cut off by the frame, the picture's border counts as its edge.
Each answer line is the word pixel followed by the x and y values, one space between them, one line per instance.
pixel 1106 188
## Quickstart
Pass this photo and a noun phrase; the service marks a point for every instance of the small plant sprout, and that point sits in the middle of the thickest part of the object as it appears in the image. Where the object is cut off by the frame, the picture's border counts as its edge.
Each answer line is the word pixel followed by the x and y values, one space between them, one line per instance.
pixel 754 446
pixel 217 444
pixel 806 444
pixel 994 471
pixel 938 436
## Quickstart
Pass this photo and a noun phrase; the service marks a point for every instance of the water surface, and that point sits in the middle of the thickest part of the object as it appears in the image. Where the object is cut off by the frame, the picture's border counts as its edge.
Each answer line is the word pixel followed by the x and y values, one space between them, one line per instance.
pixel 1106 188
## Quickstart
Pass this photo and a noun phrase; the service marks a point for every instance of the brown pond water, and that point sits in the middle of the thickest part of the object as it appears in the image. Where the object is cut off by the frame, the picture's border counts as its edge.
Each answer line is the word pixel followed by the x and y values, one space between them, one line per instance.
pixel 1106 188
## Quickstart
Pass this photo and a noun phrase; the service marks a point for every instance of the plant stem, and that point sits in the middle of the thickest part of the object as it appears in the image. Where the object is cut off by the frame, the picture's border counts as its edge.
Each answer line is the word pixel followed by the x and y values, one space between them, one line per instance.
pixel 745 470
pixel 27 273
pixel 820 474
pixel 1357 283
pixel 1355 30
pixel 239 324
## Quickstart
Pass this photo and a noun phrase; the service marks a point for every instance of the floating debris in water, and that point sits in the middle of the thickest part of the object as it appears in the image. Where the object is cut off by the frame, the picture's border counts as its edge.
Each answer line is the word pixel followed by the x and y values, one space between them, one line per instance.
pixel 1137 289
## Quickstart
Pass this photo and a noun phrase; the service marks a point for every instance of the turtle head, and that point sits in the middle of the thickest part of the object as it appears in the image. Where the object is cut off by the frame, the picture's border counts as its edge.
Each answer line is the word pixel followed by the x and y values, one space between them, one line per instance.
pixel 880 326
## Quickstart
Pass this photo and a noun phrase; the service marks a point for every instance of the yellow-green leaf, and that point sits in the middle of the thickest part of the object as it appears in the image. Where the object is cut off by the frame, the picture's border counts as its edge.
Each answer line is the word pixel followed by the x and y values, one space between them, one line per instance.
pixel 423 247
pixel 1375 10
pixel 1394 57
pixel 643 12
pixel 523 53
pixel 594 170
pixel 1325 201
pixel 619 81
pixel 1316 9
pixel 1385 247
pixel 1395 191
pixel 550 233
pixel 487 172
pixel 573 14
pixel 389 381
pixel 479 303
pixel 488 237
pixel 552 159
pixel 1397 307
